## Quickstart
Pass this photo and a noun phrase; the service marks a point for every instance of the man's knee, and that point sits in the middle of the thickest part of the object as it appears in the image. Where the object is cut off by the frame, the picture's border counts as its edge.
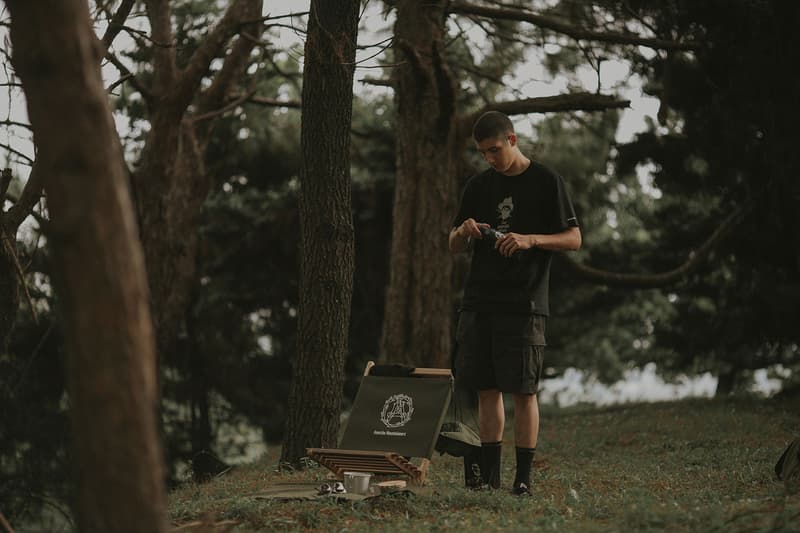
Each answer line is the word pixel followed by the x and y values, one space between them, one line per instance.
pixel 489 395
pixel 525 401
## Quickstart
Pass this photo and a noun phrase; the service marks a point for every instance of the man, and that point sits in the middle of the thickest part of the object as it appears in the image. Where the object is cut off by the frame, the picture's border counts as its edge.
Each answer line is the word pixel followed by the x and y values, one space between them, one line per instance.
pixel 501 327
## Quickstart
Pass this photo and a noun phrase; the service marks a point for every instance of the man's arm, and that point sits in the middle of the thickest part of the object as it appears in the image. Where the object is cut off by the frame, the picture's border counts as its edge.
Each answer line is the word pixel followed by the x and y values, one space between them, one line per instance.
pixel 567 240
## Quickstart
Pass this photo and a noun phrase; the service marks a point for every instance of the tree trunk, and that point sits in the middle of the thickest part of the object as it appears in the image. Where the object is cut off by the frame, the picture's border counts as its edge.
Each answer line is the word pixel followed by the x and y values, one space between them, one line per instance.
pixel 417 320
pixel 99 269
pixel 170 187
pixel 170 183
pixel 326 227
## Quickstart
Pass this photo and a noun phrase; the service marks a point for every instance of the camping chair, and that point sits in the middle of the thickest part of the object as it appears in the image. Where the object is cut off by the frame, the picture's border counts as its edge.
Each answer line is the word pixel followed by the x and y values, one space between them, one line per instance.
pixel 393 420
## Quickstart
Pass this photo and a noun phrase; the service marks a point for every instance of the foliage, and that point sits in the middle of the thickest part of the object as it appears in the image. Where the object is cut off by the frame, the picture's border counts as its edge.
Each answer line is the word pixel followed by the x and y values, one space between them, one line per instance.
pixel 707 465
pixel 723 143
pixel 34 436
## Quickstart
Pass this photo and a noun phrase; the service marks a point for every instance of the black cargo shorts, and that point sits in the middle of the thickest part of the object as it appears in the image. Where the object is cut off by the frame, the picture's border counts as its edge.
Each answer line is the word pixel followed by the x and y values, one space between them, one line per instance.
pixel 500 351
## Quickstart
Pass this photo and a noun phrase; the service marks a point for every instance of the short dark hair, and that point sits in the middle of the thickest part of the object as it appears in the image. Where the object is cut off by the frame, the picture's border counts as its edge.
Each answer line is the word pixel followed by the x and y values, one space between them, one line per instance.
pixel 492 124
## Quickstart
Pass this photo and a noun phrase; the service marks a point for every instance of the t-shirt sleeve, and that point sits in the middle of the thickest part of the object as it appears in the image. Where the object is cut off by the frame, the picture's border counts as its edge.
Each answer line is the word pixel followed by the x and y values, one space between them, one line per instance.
pixel 565 213
pixel 466 208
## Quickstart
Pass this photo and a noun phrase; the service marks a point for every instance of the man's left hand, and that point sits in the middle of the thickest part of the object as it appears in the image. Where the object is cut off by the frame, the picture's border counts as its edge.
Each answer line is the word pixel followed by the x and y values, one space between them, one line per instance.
pixel 511 243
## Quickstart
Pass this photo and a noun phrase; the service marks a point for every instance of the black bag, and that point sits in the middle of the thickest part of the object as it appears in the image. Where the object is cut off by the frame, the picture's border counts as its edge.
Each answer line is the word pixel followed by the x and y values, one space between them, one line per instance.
pixel 459 440
pixel 788 466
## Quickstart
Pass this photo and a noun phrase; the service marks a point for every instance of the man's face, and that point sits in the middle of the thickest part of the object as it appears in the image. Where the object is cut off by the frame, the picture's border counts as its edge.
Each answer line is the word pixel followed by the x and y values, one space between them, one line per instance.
pixel 498 151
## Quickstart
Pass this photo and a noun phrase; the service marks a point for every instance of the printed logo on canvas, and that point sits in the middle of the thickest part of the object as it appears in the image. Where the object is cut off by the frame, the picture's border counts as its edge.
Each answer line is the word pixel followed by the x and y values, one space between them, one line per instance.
pixel 396 413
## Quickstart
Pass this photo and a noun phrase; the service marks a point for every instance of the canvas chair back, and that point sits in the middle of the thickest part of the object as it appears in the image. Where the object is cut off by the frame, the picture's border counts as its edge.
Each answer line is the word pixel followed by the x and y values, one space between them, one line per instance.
pixel 398 414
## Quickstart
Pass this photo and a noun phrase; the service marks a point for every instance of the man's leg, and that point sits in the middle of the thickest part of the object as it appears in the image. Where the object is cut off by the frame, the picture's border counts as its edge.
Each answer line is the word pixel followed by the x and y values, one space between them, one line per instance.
pixel 526 420
pixel 526 436
pixel 491 419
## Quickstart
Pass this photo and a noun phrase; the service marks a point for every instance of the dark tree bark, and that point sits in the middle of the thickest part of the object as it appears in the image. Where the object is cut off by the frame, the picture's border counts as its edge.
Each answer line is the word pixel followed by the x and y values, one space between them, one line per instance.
pixel 326 227
pixel 170 182
pixel 99 267
pixel 418 301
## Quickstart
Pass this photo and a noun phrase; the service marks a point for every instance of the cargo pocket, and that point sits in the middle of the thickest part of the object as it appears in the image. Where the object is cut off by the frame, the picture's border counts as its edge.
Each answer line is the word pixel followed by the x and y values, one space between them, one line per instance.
pixel 534 360
pixel 518 348
pixel 537 329
pixel 532 369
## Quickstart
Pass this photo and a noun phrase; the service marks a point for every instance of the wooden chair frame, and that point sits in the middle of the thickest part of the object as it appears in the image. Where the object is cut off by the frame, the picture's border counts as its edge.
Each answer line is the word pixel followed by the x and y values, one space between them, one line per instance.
pixel 384 463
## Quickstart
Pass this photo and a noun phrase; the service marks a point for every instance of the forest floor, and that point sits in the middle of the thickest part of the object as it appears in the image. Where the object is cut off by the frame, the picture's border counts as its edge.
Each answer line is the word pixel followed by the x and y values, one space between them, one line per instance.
pixel 691 465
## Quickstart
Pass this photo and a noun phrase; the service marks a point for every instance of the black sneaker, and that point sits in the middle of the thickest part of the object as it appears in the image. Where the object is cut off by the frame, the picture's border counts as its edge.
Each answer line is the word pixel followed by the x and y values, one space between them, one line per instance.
pixel 521 489
pixel 479 486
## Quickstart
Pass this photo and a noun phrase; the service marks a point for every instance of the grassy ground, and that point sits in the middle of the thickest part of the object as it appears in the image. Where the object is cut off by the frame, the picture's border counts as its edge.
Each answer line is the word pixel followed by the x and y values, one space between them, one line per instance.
pixel 699 465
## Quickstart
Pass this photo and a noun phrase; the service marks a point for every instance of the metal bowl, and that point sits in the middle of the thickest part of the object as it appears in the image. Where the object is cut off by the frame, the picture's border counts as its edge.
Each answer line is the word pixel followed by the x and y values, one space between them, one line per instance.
pixel 357 482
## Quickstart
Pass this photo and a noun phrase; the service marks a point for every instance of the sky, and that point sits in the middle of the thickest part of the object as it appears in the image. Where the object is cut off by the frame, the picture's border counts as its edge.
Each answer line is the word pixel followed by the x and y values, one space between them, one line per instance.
pixel 530 79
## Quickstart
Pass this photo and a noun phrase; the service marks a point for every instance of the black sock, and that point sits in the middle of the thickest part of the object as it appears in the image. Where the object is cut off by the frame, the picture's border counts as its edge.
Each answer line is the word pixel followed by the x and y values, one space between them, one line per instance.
pixel 524 463
pixel 490 463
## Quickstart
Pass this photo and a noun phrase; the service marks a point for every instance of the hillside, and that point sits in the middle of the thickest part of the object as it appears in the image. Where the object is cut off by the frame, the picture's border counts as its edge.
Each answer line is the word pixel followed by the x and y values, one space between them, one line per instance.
pixel 697 465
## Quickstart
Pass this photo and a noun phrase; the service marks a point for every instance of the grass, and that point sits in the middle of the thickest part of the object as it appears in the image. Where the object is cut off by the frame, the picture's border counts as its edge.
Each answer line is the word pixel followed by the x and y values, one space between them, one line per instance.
pixel 697 465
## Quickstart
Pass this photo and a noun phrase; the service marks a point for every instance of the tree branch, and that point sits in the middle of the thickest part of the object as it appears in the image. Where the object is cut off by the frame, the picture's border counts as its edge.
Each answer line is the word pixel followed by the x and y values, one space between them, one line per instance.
pixel 235 64
pixel 273 102
pixel 26 201
pixel 119 82
pixel 238 100
pixel 17 124
pixel 128 76
pixel 550 23
pixel 291 77
pixel 551 104
pixel 16 153
pixel 377 82
pixel 164 65
pixel 644 281
pixel 240 12
pixel 115 24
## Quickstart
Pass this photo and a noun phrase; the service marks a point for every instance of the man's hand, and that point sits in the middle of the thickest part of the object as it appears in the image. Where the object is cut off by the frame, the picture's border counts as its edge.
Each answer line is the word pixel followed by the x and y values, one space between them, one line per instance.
pixel 470 228
pixel 510 243
pixel 460 236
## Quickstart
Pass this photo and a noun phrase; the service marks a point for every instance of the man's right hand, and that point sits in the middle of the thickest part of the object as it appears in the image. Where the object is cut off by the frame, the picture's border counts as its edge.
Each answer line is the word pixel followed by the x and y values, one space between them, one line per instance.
pixel 470 228
pixel 460 236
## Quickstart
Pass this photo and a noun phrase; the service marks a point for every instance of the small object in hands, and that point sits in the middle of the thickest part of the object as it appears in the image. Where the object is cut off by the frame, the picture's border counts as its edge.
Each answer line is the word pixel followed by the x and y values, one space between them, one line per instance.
pixel 491 234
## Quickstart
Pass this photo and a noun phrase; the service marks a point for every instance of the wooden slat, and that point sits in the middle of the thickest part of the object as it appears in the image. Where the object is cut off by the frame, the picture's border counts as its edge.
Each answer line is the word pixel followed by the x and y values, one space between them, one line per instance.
pixel 340 461
pixel 420 372
pixel 432 372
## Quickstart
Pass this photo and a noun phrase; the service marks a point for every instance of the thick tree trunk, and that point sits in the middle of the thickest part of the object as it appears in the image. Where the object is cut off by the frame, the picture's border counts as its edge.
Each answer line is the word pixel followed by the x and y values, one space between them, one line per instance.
pixel 170 187
pixel 170 182
pixel 99 269
pixel 326 226
pixel 417 320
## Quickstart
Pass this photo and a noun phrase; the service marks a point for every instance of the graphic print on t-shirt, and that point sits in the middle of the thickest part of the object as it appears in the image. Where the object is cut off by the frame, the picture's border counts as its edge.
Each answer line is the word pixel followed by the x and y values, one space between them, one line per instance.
pixel 504 211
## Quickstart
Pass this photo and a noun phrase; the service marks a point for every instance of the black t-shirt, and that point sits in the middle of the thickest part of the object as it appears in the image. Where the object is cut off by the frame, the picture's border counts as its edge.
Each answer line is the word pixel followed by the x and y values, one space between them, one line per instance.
pixel 535 201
